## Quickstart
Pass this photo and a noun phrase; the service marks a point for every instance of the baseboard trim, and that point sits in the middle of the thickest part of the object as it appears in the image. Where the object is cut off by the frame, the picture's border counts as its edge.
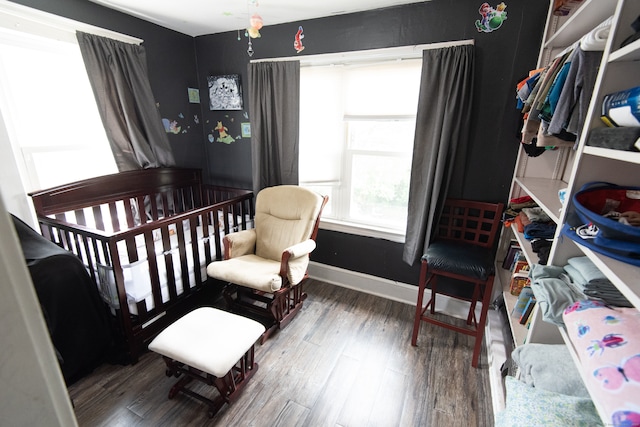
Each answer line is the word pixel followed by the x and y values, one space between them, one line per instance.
pixel 385 288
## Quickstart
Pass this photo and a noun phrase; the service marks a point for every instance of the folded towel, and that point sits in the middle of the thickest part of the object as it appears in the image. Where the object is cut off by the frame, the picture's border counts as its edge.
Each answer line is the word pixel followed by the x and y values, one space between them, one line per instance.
pixel 575 275
pixel 596 39
pixel 587 268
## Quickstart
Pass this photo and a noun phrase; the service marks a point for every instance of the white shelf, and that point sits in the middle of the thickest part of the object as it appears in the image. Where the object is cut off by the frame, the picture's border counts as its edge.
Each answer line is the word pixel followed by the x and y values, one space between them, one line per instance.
pixel 542 177
pixel 544 192
pixel 591 14
pixel 631 52
pixel 624 156
pixel 518 332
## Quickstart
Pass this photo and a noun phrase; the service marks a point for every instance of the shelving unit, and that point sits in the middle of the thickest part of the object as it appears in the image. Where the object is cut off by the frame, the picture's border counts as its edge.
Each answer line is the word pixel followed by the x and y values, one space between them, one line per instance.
pixel 542 177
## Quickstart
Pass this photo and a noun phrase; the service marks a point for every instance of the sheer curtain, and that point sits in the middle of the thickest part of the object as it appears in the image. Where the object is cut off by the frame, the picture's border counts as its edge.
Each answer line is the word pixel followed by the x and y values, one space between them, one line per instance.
pixel 274 100
pixel 120 82
pixel 442 128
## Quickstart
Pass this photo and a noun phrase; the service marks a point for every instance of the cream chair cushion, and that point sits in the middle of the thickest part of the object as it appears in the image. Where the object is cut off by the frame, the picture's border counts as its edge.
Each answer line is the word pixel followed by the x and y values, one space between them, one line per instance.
pixel 208 339
pixel 285 218
pixel 285 215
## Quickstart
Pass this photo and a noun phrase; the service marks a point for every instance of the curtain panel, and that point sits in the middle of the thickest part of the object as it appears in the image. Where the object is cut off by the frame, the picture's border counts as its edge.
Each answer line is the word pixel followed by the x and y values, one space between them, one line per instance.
pixel 274 102
pixel 119 79
pixel 442 128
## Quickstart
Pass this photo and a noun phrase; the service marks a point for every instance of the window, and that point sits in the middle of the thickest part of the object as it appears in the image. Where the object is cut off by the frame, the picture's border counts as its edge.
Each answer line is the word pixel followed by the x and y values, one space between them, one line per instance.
pixel 357 125
pixel 50 112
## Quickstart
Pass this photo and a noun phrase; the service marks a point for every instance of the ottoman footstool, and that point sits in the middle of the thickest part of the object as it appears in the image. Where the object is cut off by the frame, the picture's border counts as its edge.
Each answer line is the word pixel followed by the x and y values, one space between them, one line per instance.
pixel 212 346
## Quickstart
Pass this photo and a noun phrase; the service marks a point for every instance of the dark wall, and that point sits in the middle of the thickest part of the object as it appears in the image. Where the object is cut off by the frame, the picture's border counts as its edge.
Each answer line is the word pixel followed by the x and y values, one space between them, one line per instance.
pixel 503 57
pixel 172 67
pixel 177 62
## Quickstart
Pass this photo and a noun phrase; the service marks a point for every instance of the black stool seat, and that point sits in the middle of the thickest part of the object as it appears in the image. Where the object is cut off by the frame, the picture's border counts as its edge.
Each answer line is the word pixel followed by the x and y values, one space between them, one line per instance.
pixel 460 258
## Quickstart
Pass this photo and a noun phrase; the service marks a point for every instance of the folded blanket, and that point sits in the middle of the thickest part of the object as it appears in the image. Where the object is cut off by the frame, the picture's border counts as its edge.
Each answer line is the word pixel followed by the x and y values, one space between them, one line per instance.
pixel 607 343
pixel 552 294
pixel 549 367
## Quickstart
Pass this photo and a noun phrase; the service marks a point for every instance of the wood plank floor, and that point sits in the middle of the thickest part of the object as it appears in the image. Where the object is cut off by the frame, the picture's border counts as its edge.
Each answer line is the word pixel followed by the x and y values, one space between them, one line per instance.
pixel 346 360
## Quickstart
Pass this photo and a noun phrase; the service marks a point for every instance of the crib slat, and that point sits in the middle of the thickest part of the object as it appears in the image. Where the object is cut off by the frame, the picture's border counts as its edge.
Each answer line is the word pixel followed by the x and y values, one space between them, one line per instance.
pixel 182 254
pixel 113 211
pixel 153 269
pixel 142 212
pixel 97 216
pixel 168 261
pixel 80 219
pixel 194 252
pixel 129 209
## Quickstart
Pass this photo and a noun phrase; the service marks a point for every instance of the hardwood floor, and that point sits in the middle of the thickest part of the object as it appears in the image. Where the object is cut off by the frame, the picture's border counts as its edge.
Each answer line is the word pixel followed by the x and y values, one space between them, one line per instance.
pixel 346 360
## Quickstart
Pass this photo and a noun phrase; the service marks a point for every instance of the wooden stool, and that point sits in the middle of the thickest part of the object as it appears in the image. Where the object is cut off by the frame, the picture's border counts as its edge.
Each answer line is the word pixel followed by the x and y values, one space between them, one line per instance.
pixel 212 346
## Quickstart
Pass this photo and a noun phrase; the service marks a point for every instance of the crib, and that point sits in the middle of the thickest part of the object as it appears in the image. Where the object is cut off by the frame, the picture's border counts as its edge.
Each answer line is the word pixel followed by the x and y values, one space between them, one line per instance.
pixel 146 238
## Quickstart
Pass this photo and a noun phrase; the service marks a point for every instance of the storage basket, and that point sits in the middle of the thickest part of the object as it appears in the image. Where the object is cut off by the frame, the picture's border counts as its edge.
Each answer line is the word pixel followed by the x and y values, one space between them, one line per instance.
pixel 614 239
pixel 597 198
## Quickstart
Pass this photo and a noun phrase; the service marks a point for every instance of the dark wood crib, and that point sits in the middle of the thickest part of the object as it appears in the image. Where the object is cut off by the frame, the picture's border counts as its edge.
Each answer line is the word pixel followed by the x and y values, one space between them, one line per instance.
pixel 146 237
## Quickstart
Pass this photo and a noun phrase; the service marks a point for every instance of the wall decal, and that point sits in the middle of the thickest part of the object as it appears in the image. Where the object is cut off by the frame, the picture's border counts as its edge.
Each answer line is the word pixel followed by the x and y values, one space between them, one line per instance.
pixel 246 129
pixel 297 42
pixel 194 95
pixel 223 135
pixel 225 92
pixel 171 126
pixel 492 19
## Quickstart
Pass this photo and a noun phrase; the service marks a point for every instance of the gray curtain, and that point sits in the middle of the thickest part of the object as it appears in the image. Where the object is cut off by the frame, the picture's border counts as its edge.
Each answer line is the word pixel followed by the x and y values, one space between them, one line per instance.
pixel 119 78
pixel 274 101
pixel 442 128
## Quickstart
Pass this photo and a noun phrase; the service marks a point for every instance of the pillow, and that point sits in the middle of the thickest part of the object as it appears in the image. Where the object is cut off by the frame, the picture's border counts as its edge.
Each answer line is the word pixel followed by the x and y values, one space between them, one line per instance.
pixel 531 407
pixel 549 367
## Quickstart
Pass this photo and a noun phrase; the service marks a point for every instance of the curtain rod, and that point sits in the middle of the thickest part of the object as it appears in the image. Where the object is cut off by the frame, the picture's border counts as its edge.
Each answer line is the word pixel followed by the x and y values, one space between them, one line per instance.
pixel 28 20
pixel 412 51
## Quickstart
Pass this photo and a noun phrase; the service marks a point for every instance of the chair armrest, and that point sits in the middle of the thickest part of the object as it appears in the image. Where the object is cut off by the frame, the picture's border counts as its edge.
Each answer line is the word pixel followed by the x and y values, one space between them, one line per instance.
pixel 302 248
pixel 295 260
pixel 239 243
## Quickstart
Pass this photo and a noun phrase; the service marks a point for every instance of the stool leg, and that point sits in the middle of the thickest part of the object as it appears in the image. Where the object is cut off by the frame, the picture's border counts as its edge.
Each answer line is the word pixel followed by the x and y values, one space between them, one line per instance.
pixel 422 283
pixel 474 299
pixel 486 301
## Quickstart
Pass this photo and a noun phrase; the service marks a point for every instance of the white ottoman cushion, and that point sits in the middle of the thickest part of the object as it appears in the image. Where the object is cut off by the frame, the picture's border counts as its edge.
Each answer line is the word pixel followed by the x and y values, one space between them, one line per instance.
pixel 208 339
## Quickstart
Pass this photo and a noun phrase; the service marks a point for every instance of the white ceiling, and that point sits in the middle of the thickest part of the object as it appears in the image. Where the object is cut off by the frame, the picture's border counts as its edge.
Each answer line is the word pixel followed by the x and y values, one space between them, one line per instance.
pixel 198 17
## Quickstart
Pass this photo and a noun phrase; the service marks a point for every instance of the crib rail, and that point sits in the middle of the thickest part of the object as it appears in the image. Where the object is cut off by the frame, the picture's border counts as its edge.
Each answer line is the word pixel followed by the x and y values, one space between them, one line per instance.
pixel 172 246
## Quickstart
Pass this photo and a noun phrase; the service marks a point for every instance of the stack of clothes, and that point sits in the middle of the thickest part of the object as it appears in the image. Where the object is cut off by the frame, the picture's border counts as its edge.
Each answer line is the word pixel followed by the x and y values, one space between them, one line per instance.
pixel 534 223
pixel 592 283
pixel 556 288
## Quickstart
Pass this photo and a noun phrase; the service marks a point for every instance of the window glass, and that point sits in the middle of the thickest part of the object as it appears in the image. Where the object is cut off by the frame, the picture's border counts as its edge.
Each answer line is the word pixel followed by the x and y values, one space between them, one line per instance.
pixel 357 125
pixel 50 112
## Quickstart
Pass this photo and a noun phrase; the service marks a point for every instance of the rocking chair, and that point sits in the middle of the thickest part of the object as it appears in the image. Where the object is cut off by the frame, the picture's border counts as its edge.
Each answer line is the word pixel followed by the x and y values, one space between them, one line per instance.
pixel 265 267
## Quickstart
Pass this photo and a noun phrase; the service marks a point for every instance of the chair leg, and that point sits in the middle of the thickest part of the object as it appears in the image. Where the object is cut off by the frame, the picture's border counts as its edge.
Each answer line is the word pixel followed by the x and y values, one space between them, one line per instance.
pixel 486 301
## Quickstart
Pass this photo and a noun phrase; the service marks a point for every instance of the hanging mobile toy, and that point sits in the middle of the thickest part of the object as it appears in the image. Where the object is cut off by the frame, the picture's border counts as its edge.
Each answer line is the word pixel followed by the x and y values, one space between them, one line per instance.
pixel 256 24
pixel 297 43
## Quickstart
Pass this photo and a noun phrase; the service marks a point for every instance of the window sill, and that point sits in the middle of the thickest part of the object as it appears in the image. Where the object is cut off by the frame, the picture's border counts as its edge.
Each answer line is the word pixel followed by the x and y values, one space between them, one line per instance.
pixel 362 230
